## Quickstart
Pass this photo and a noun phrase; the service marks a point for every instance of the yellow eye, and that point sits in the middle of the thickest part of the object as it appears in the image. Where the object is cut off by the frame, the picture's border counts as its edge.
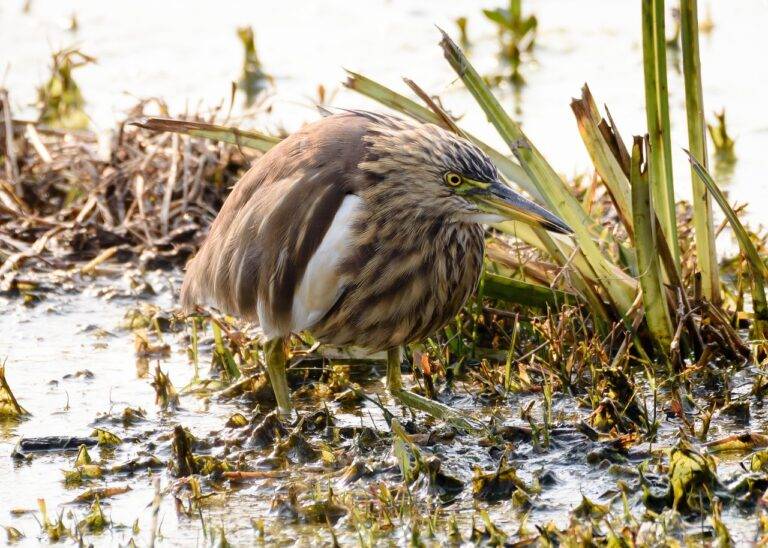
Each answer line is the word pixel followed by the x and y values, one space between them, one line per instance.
pixel 452 179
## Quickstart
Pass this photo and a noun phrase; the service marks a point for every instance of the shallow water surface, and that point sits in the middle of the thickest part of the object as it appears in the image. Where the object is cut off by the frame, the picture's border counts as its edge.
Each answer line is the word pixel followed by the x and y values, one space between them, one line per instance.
pixel 72 365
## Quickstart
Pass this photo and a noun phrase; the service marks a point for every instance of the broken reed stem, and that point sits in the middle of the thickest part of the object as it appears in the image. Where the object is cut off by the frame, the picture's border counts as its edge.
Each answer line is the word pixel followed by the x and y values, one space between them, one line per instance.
pixel 657 113
pixel 249 139
pixel 649 268
pixel 706 254
pixel 603 158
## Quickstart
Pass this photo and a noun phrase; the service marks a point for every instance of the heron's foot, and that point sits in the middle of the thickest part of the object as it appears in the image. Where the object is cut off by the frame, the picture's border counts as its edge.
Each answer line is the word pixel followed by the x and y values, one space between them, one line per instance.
pixel 438 410
pixel 287 416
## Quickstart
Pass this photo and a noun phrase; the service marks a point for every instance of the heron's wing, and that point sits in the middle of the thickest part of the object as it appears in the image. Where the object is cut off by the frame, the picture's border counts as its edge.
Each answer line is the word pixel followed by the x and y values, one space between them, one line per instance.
pixel 323 283
pixel 265 238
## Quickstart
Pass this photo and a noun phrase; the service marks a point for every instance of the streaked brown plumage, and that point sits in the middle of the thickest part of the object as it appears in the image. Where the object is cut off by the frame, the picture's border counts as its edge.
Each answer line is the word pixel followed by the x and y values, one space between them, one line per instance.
pixel 407 202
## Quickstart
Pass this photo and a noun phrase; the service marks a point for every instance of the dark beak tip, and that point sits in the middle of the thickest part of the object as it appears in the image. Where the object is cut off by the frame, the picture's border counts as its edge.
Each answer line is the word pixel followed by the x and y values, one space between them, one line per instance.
pixel 560 230
pixel 557 226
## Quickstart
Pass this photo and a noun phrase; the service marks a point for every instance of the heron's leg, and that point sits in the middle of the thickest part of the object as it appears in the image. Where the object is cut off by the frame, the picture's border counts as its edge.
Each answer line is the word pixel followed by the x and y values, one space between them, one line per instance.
pixel 394 380
pixel 434 408
pixel 274 353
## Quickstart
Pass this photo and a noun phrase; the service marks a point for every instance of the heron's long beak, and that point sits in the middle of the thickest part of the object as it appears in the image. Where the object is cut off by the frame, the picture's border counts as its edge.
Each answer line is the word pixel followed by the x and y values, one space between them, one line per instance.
pixel 498 199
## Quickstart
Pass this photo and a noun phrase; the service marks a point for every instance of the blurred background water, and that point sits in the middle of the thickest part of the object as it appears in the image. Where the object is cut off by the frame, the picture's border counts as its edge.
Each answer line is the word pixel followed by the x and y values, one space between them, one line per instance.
pixel 188 54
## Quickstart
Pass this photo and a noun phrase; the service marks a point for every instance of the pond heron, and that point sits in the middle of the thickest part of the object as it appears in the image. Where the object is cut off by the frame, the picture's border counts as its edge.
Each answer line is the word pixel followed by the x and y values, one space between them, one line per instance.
pixel 362 229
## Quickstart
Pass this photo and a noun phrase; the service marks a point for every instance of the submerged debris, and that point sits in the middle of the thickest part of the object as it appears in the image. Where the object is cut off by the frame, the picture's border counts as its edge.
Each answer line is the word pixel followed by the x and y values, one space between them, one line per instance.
pixel 29 446
pixel 499 485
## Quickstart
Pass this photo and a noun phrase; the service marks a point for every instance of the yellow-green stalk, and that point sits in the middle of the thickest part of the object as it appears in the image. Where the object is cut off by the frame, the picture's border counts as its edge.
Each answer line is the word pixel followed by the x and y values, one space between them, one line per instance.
pixel 247 139
pixel 706 254
pixel 657 113
pixel 496 286
pixel 758 269
pixel 654 299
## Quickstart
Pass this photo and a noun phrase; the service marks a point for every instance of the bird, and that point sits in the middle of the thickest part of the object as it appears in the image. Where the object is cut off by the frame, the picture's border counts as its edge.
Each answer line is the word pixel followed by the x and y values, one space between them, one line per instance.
pixel 361 228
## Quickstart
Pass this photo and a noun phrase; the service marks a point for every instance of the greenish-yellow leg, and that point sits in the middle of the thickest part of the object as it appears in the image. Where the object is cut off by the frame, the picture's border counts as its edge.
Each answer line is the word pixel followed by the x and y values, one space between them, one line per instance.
pixel 274 353
pixel 436 409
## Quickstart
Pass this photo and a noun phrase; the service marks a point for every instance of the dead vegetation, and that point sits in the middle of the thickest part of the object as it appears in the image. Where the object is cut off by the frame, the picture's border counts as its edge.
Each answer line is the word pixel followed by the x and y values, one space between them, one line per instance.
pixel 75 202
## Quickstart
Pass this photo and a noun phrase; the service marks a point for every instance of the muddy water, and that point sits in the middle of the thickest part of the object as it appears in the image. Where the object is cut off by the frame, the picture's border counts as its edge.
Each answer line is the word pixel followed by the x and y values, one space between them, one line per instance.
pixel 188 55
pixel 72 364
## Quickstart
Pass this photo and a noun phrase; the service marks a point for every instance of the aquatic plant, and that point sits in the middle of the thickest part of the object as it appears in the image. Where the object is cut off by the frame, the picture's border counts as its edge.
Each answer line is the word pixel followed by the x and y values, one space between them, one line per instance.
pixel 461 25
pixel 721 139
pixel 253 79
pixel 9 406
pixel 517 34
pixel 704 233
pixel 60 100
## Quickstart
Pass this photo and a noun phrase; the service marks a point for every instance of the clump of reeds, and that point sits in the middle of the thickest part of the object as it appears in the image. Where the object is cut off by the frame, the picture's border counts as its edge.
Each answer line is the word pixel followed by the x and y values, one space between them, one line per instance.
pixel 144 198
pixel 662 289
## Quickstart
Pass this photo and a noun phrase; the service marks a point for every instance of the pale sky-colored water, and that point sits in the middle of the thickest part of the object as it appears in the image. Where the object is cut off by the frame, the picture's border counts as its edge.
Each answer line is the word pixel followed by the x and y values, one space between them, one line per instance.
pixel 188 53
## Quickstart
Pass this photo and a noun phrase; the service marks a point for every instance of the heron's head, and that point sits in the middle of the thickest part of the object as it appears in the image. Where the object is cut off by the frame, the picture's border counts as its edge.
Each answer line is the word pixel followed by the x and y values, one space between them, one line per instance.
pixel 438 171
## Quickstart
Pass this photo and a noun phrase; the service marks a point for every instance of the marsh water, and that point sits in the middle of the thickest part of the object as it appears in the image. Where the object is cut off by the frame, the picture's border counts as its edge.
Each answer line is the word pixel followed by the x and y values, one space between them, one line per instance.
pixel 72 362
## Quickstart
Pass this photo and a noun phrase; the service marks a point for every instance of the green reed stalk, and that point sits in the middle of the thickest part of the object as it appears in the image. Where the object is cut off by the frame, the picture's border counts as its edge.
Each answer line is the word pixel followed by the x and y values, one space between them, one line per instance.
pixel 657 113
pixel 758 268
pixel 504 288
pixel 649 267
pixel 706 254
pixel 400 103
pixel 550 185
pixel 226 134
